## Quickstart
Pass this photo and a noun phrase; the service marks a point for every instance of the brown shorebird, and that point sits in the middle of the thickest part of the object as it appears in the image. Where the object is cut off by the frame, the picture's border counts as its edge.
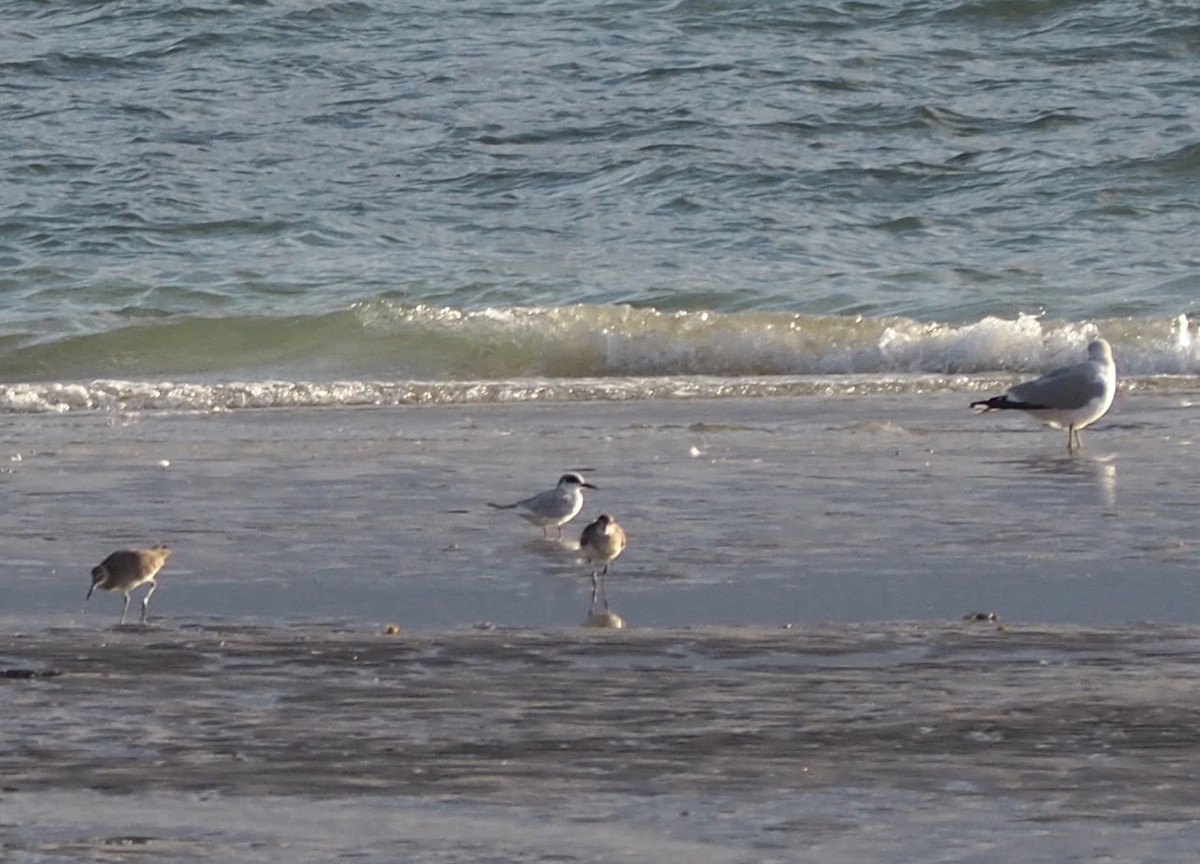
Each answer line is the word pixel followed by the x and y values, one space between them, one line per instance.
pixel 127 569
pixel 601 542
pixel 553 508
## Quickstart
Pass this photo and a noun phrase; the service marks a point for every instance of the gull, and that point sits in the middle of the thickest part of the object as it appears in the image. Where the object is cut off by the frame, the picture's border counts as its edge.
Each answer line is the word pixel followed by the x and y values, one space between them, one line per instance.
pixel 1072 397
pixel 125 570
pixel 601 542
pixel 554 507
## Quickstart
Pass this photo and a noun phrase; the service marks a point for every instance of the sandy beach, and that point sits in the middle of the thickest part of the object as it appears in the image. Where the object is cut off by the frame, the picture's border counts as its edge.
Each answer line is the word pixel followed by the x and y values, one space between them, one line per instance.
pixel 965 742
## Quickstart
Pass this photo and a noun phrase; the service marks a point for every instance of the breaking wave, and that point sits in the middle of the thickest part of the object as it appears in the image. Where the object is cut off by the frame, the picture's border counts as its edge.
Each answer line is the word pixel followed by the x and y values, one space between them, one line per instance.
pixel 384 353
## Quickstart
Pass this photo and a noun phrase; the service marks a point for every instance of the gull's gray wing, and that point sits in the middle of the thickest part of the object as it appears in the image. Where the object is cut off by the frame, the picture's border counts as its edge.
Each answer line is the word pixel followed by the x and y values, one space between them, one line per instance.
pixel 1062 390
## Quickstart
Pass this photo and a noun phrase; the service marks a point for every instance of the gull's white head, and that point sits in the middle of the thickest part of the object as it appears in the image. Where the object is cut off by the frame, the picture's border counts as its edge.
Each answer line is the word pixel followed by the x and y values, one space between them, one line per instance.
pixel 1100 351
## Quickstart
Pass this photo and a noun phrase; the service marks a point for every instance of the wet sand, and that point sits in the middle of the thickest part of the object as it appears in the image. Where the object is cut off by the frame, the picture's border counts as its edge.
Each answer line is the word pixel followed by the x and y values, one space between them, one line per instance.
pixel 962 742
pixel 738 512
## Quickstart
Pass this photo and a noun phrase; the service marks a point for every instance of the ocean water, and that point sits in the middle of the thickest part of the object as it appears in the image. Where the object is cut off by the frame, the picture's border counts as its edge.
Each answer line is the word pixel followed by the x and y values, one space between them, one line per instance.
pixel 361 191
pixel 299 287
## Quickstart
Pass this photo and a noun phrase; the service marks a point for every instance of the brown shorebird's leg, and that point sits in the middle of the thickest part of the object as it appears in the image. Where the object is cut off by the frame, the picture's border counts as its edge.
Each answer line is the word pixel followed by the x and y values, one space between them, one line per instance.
pixel 146 599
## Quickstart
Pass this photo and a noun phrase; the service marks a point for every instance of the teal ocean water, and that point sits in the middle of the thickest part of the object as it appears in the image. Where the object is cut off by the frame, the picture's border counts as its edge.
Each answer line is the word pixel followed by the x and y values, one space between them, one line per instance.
pixel 594 192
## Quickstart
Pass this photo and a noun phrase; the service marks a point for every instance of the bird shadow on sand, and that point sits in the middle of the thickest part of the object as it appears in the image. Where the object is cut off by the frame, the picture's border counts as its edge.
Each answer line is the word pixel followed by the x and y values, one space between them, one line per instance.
pixel 1067 464
pixel 1095 472
pixel 129 627
pixel 557 546
pixel 603 619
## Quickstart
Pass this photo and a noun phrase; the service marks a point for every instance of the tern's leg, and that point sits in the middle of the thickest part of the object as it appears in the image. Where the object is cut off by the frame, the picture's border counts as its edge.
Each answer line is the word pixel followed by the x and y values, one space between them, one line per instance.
pixel 125 608
pixel 146 599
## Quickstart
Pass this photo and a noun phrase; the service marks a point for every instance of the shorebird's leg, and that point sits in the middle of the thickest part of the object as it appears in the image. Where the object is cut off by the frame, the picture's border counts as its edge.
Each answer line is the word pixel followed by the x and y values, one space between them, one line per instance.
pixel 603 594
pixel 125 608
pixel 146 599
pixel 592 605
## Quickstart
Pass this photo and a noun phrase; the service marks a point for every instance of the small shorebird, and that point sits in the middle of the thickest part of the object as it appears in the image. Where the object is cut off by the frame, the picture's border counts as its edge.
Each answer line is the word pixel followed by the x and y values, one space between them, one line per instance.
pixel 554 507
pixel 601 542
pixel 1072 397
pixel 127 569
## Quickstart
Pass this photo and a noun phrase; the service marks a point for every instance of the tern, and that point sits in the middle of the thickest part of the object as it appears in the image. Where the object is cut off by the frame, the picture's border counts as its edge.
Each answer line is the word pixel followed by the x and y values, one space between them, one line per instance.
pixel 553 508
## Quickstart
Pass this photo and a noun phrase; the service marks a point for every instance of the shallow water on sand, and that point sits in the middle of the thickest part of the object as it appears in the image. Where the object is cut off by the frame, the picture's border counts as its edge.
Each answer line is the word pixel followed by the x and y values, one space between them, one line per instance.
pixel 755 511
pixel 876 743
